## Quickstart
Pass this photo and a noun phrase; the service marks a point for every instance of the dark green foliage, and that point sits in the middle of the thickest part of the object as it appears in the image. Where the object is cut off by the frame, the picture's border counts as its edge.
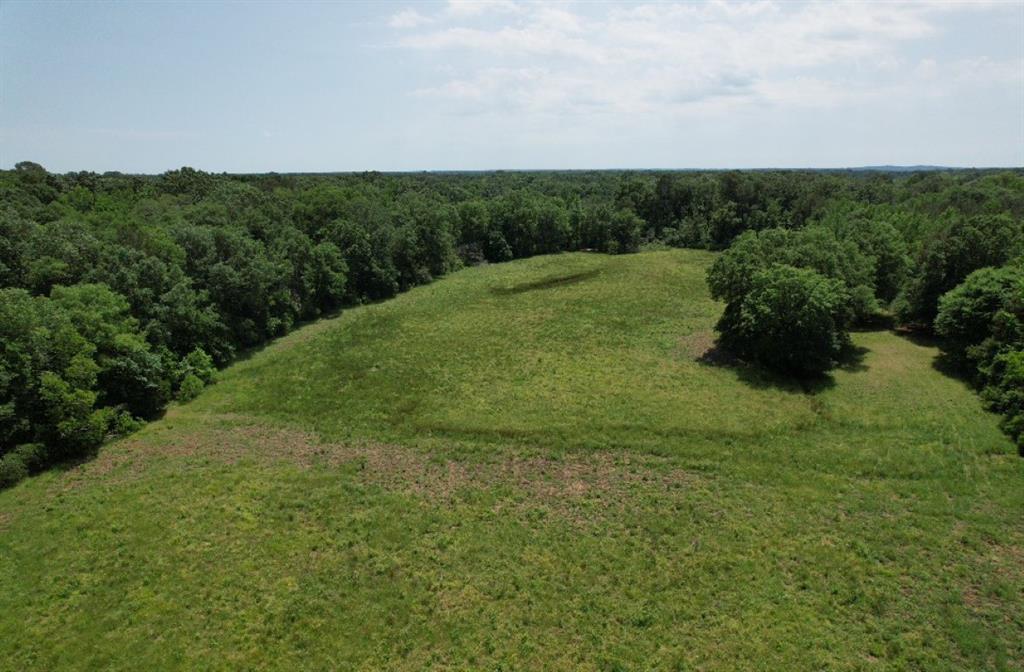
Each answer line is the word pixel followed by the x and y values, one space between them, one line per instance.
pixel 423 246
pixel 129 373
pixel 948 256
pixel 190 388
pixel 185 319
pixel 609 230
pixel 624 231
pixel 47 371
pixel 877 237
pixel 12 469
pixel 1004 392
pixel 816 248
pixel 983 315
pixel 199 364
pixel 133 287
pixel 68 363
pixel 371 271
pixel 790 319
pixel 982 321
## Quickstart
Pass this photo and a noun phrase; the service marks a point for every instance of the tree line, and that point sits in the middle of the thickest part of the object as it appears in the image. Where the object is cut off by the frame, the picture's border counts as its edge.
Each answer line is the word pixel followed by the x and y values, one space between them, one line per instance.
pixel 937 254
pixel 119 293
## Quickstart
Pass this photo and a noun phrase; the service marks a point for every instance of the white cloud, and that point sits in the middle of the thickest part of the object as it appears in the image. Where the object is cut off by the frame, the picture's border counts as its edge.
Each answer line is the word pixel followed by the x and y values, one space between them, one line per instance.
pixel 408 18
pixel 547 58
pixel 468 8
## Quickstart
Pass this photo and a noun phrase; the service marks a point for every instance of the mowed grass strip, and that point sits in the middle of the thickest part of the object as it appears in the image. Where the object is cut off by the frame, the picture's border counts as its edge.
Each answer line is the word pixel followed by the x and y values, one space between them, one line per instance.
pixel 532 465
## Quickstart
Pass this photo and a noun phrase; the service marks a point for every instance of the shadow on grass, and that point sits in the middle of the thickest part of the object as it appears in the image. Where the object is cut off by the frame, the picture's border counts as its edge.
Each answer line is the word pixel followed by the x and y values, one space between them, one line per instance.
pixel 759 377
pixel 546 283
pixel 943 362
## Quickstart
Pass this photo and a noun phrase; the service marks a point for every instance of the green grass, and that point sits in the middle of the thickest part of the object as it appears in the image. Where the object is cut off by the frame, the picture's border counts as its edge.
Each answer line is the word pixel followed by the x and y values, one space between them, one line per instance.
pixel 527 466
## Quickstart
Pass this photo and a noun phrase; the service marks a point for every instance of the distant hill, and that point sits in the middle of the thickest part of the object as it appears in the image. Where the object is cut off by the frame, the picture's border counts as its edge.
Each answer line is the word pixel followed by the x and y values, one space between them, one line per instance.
pixel 907 169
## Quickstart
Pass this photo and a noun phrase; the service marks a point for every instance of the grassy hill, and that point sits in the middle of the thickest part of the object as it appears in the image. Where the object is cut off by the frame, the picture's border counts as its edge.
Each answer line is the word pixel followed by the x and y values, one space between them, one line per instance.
pixel 533 465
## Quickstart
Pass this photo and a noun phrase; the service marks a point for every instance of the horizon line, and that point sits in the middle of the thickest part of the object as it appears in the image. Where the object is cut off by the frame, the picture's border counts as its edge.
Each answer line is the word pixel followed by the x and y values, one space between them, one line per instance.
pixel 869 167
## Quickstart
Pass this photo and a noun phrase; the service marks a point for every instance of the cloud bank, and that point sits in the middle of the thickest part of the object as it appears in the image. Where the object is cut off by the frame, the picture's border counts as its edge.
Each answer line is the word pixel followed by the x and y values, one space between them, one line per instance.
pixel 683 59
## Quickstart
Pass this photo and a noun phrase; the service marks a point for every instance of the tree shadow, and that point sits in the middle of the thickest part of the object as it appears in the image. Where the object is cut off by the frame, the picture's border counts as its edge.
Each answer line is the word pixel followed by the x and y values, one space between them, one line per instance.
pixel 546 283
pixel 760 377
pixel 943 362
pixel 851 359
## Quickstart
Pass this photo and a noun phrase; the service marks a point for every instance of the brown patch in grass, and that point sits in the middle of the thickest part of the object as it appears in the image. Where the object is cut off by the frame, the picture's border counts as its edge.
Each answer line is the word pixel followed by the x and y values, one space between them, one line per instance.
pixel 1009 561
pixel 576 486
pixel 698 344
pixel 1004 561
pixel 972 599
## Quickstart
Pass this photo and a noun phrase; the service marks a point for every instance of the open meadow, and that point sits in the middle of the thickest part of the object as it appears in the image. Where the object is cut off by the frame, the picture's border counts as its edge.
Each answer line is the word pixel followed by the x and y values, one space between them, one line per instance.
pixel 534 465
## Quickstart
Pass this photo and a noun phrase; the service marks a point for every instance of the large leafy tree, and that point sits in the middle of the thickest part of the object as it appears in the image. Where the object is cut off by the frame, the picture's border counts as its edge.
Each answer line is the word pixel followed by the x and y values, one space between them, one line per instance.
pixel 983 315
pixel 817 248
pixel 948 256
pixel 792 320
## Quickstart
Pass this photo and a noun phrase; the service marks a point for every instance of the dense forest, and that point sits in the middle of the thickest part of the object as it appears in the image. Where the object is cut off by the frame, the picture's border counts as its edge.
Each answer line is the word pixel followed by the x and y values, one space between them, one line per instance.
pixel 119 293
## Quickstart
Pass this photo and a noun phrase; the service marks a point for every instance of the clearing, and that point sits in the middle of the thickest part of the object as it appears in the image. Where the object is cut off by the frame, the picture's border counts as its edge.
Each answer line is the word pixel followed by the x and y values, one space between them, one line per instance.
pixel 532 465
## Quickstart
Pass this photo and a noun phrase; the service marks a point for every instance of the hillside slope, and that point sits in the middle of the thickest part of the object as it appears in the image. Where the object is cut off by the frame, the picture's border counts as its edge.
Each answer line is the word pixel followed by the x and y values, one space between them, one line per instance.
pixel 533 465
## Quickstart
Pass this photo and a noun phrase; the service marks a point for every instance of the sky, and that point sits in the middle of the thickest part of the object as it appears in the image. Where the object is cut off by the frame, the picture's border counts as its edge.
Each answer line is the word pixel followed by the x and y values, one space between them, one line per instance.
pixel 396 86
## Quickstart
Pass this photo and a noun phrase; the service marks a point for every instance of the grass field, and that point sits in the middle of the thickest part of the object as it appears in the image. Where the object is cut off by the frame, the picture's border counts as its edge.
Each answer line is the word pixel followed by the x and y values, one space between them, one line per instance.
pixel 532 466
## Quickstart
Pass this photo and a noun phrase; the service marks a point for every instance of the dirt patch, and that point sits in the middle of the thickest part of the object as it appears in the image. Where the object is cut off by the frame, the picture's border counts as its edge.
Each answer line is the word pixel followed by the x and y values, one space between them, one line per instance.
pixel 697 345
pixel 972 599
pixel 1004 562
pixel 576 486
pixel 130 456
pixel 1009 559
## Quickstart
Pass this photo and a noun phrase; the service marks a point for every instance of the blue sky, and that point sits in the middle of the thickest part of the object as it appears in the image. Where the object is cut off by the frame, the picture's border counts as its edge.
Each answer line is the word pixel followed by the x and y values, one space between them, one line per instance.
pixel 147 87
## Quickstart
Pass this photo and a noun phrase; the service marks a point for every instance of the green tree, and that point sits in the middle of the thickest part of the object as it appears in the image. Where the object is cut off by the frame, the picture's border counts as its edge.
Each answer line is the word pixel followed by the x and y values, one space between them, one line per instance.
pixel 983 315
pixel 792 320
pixel 964 245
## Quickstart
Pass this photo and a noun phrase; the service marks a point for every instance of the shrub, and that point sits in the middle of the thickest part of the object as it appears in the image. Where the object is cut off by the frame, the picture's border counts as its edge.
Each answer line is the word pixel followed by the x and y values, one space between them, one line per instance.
pixel 199 364
pixel 23 460
pixel 190 388
pixel 123 424
pixel 33 456
pixel 12 469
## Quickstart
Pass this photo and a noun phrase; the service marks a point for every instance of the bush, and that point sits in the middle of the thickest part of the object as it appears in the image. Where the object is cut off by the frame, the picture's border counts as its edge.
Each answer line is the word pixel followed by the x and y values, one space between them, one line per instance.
pixel 198 364
pixel 123 424
pixel 12 470
pixel 33 456
pixel 791 320
pixel 24 460
pixel 190 388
